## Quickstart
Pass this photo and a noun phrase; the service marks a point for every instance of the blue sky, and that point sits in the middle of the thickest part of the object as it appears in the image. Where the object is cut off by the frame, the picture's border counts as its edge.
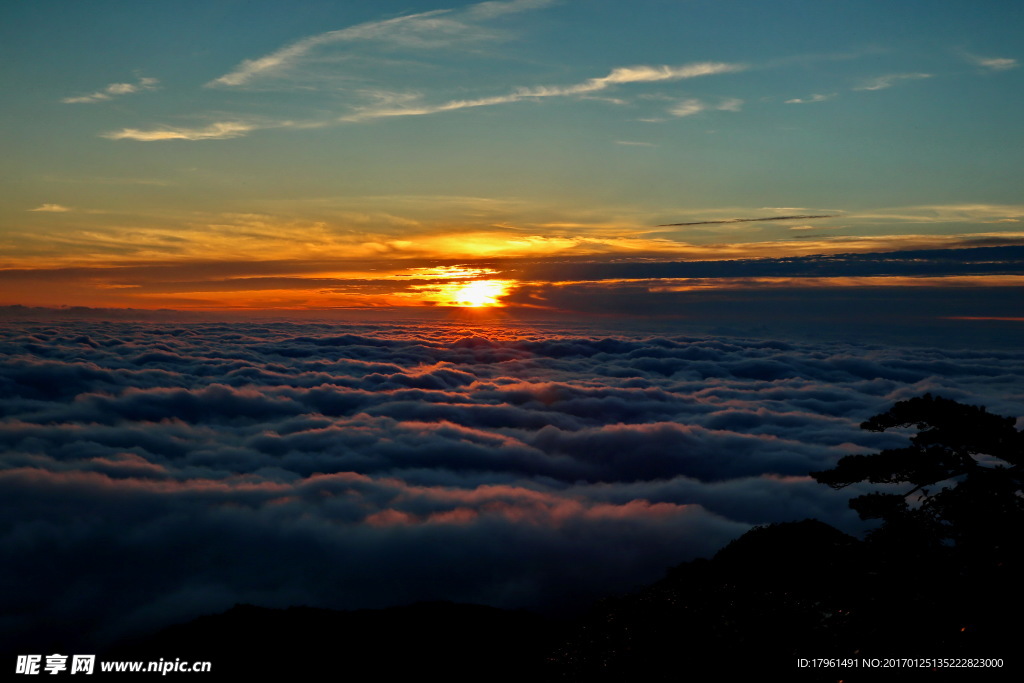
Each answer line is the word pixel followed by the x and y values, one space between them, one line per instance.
pixel 406 134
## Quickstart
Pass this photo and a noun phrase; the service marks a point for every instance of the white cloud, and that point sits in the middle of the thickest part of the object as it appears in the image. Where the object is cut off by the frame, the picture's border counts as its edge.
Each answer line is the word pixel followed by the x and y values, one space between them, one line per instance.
pixel 632 74
pixel 440 28
pixel 51 208
pixel 121 88
pixel 215 131
pixel 889 80
pixel 618 76
pixel 693 106
pixel 994 63
pixel 813 98
pixel 112 90
pixel 730 104
pixel 393 28
pixel 489 10
pixel 688 108
pixel 634 143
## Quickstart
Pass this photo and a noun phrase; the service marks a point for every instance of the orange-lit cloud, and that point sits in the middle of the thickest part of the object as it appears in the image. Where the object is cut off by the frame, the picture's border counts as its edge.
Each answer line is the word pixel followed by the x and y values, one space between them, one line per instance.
pixel 361 259
pixel 221 130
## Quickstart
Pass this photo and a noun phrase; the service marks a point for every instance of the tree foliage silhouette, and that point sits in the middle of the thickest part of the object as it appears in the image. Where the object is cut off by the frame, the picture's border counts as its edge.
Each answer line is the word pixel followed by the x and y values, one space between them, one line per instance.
pixel 964 470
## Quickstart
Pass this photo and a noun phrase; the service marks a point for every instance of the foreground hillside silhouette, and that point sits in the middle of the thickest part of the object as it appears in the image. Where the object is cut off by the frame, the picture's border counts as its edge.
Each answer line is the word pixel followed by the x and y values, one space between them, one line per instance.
pixel 940 578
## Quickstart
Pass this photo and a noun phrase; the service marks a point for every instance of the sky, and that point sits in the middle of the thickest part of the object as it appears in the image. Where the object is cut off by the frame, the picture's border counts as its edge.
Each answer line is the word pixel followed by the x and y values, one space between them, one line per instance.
pixel 225 155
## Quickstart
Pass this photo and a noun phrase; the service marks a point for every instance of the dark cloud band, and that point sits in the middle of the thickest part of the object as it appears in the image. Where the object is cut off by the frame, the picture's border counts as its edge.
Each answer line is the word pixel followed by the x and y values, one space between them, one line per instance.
pixel 748 220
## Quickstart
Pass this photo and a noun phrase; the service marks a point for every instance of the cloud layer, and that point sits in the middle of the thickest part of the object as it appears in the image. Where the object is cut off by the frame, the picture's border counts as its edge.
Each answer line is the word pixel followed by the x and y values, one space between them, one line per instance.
pixel 182 468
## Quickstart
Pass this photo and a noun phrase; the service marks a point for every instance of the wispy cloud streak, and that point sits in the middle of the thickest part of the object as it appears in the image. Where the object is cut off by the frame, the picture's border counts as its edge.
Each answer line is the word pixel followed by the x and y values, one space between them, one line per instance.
pixel 618 76
pixel 693 106
pixel 252 68
pixel 813 98
pixel 434 29
pixel 113 90
pixel 497 8
pixel 889 80
pixel 993 63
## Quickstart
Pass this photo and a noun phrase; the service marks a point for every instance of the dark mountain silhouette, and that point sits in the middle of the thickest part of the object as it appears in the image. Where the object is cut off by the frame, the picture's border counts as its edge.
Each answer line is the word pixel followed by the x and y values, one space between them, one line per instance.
pixel 796 591
pixel 456 641
pixel 939 579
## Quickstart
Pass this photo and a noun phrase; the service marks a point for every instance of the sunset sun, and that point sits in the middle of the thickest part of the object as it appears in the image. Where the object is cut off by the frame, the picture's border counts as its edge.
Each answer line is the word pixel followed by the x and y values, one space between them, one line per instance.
pixel 479 293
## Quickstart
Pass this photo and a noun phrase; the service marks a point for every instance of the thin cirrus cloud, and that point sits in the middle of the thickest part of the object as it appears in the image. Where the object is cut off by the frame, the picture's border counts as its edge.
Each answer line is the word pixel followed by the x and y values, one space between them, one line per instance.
pixel 403 104
pixel 441 28
pixel 393 104
pixel 889 80
pixel 693 106
pixel 113 90
pixel 51 208
pixel 275 61
pixel 617 76
pixel 994 63
pixel 817 97
pixel 497 8
pixel 949 213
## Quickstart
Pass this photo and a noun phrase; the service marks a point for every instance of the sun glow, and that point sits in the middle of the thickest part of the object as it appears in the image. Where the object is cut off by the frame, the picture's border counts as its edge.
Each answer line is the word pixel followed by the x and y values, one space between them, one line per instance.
pixel 478 293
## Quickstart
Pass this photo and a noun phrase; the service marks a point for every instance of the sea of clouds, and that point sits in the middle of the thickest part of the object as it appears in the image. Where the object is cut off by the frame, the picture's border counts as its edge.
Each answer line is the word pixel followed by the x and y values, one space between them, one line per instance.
pixel 155 471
